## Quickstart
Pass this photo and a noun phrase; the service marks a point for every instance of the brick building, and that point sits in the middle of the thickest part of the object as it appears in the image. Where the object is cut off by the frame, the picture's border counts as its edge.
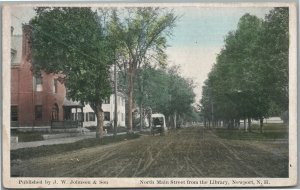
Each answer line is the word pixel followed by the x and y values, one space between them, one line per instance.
pixel 35 99
pixel 38 100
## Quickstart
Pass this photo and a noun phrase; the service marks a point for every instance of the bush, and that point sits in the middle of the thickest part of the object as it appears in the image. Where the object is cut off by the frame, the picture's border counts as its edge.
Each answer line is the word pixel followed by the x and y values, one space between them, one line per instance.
pixel 271 132
pixel 28 136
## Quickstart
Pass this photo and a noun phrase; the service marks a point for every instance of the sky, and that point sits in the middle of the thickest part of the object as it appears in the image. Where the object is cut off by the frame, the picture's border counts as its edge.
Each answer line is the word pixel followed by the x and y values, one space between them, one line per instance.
pixel 197 38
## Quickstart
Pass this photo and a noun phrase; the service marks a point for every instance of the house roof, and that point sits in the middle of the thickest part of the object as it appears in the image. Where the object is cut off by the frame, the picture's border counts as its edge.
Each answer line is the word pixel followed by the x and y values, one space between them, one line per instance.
pixel 157 115
pixel 71 103
pixel 121 94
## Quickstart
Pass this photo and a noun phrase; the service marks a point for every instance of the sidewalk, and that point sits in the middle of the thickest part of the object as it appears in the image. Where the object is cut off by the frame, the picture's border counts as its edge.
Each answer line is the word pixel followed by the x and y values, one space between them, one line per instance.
pixel 14 146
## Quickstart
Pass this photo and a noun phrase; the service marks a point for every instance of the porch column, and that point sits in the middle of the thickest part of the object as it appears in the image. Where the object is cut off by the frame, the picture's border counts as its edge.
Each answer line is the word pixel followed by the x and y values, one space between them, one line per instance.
pixel 76 116
pixel 82 117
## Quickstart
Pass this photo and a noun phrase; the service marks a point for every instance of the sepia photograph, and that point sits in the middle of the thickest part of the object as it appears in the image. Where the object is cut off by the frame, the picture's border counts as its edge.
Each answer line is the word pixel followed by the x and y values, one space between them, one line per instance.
pixel 114 95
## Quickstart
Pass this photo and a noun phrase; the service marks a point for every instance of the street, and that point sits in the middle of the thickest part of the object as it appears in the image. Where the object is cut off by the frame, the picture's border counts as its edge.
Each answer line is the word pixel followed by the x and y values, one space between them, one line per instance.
pixel 188 152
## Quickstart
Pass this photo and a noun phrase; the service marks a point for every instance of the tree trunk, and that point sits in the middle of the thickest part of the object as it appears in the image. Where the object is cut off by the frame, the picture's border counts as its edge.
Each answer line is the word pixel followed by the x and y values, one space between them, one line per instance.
pixel 130 97
pixel 180 120
pixel 238 123
pixel 169 122
pixel 212 115
pixel 141 104
pixel 99 111
pixel 150 118
pixel 245 127
pixel 141 116
pixel 175 120
pixel 116 100
pixel 249 124
pixel 261 121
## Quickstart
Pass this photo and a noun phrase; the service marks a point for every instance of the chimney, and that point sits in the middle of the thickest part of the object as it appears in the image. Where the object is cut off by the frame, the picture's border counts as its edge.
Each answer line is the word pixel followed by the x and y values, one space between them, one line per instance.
pixel 27 31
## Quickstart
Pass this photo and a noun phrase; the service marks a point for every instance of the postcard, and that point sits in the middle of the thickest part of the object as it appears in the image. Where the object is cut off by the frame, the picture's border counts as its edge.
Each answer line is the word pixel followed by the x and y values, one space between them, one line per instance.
pixel 149 95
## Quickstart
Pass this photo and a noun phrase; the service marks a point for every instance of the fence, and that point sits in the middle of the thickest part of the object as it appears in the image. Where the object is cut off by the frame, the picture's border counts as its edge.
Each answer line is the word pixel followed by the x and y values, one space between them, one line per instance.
pixel 65 124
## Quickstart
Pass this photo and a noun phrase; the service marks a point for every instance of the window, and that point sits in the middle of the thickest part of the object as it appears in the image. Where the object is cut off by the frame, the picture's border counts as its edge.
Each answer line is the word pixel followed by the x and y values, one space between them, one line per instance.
pixel 38 112
pixel 14 113
pixel 38 83
pixel 13 56
pixel 86 116
pixel 106 116
pixel 77 116
pixel 74 116
pixel 92 116
pixel 106 101
pixel 80 116
pixel 54 88
pixel 158 121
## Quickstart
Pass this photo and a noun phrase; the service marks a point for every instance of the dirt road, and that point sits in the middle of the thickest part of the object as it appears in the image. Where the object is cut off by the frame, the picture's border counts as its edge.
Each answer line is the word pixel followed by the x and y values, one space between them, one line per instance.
pixel 189 152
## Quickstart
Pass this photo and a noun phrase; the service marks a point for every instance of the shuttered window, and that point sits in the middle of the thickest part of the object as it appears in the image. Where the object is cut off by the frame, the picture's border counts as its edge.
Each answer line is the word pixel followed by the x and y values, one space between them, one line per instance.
pixel 14 115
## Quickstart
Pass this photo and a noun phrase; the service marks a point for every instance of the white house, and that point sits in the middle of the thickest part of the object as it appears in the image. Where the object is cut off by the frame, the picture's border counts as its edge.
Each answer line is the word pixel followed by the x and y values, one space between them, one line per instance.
pixel 108 106
pixel 273 120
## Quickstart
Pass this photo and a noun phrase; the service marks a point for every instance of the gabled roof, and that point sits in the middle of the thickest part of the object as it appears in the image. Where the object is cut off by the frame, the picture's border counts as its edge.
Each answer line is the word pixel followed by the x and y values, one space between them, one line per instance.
pixel 70 103
pixel 121 94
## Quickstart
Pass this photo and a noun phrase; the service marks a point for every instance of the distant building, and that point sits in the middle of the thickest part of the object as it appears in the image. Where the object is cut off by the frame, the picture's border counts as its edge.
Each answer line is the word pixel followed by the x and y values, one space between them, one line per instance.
pixel 36 100
pixel 108 106
pixel 270 120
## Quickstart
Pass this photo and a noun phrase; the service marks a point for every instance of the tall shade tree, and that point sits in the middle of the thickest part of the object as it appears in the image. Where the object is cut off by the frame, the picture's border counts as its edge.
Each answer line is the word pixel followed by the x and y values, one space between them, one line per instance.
pixel 250 76
pixel 142 33
pixel 232 84
pixel 274 55
pixel 165 91
pixel 71 42
pixel 181 95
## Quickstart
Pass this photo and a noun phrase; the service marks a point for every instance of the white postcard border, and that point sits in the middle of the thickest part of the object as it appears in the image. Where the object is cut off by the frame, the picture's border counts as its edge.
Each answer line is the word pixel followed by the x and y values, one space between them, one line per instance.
pixel 18 182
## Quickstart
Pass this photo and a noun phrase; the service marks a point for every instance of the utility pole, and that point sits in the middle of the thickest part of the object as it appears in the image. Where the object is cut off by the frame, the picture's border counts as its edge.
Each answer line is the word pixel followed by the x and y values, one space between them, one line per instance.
pixel 116 99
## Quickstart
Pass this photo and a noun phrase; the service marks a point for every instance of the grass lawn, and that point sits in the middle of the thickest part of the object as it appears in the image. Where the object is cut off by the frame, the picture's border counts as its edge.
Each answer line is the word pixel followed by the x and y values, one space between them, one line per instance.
pixel 28 136
pixel 27 153
pixel 270 132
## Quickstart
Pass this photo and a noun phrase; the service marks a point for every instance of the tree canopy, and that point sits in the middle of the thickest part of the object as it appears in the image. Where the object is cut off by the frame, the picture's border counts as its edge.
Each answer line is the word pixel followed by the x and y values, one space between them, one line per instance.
pixel 165 91
pixel 142 37
pixel 250 77
pixel 81 44
pixel 71 42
